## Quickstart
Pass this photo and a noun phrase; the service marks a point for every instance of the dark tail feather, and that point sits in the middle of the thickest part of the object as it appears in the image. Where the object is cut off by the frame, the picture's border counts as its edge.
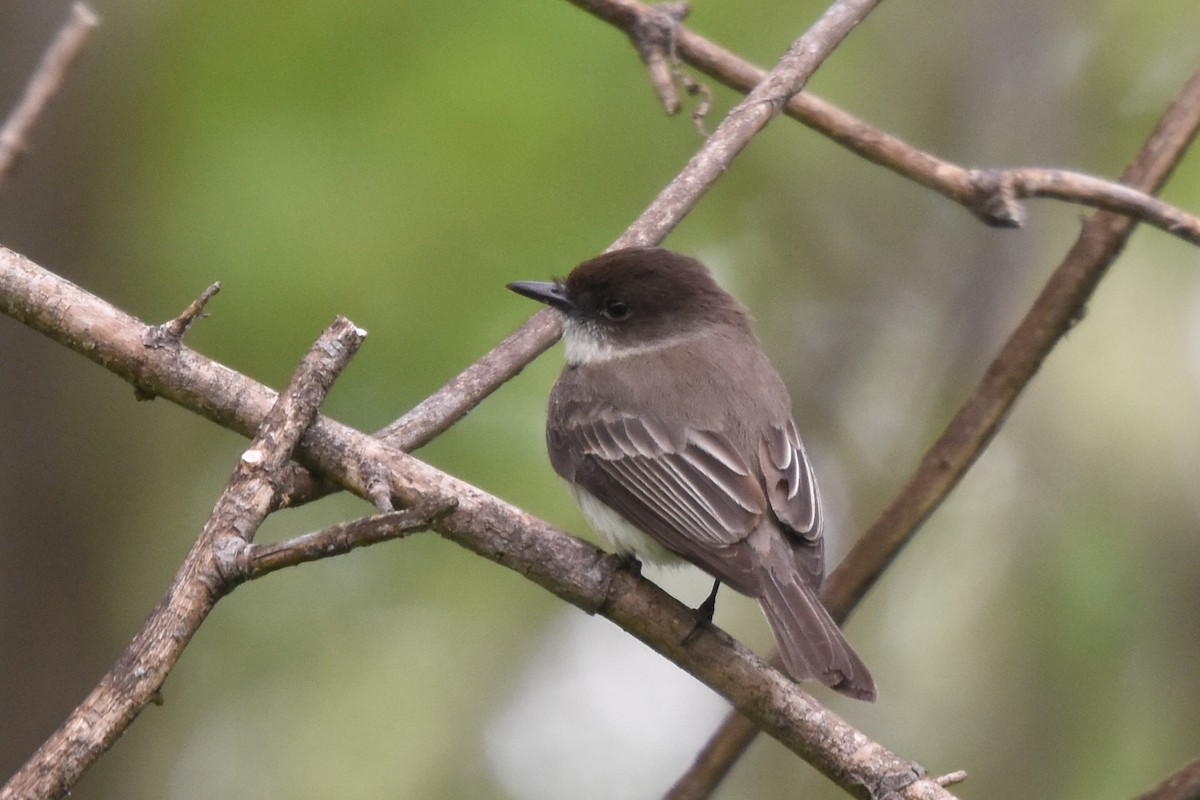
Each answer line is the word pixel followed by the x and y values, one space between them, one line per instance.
pixel 810 643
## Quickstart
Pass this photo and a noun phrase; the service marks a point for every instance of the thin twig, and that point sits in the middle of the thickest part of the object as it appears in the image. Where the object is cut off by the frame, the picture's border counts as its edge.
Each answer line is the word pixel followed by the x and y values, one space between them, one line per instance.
pixel 653 37
pixel 171 332
pixel 951 778
pixel 1088 190
pixel 947 460
pixel 263 559
pixel 440 410
pixel 45 82
pixel 136 679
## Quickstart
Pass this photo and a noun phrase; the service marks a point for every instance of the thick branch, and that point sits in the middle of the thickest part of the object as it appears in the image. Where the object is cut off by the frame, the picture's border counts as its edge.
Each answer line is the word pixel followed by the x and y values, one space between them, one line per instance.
pixel 972 427
pixel 507 535
pixel 570 568
pixel 45 82
pixel 138 675
pixel 479 521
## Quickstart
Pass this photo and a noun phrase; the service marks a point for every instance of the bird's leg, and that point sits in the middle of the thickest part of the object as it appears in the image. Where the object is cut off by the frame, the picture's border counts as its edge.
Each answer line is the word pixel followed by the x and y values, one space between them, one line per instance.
pixel 704 612
pixel 630 562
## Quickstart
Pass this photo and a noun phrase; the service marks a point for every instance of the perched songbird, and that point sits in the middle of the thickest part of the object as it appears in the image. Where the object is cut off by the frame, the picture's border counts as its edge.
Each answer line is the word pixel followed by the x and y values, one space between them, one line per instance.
pixel 674 433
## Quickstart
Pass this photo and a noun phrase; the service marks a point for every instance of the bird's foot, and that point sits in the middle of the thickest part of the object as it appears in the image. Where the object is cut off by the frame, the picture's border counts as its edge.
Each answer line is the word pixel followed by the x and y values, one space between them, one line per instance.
pixel 630 562
pixel 704 613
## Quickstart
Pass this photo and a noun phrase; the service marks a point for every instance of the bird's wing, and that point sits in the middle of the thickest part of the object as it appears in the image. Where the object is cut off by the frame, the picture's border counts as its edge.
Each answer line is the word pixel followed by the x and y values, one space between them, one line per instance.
pixel 688 489
pixel 792 494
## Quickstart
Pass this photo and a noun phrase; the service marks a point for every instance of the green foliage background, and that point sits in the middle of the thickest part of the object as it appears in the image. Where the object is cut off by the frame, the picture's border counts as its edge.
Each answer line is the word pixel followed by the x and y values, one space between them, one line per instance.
pixel 399 163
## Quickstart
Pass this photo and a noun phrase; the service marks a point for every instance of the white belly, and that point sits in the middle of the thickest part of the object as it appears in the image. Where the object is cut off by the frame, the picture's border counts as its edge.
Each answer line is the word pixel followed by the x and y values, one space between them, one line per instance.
pixel 618 534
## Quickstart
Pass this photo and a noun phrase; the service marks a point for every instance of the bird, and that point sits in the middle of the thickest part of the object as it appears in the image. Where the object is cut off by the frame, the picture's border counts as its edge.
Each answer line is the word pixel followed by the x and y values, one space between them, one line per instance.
pixel 674 433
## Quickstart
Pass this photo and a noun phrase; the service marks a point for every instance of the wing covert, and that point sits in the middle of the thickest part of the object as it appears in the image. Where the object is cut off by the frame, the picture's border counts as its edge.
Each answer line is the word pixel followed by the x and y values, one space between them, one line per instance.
pixel 686 488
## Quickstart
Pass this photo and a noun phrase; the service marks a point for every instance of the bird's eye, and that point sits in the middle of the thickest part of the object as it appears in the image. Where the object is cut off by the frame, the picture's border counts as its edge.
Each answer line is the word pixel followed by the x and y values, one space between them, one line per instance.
pixel 616 309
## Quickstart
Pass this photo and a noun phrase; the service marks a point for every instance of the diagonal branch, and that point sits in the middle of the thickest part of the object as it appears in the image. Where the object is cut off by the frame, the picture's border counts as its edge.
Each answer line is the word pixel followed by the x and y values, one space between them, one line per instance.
pixel 136 679
pixel 45 82
pixel 990 194
pixel 1057 308
pixel 1053 313
pixel 1184 784
pixel 764 102
pixel 483 523
pixel 454 400
pixel 570 568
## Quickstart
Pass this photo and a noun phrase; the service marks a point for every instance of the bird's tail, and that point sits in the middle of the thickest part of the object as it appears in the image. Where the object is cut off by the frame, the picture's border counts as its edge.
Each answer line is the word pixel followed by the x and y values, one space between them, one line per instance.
pixel 810 642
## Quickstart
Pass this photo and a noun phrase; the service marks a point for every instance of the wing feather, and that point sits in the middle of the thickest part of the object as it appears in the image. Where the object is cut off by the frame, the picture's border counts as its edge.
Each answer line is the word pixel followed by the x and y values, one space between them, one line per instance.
pixel 689 489
pixel 792 494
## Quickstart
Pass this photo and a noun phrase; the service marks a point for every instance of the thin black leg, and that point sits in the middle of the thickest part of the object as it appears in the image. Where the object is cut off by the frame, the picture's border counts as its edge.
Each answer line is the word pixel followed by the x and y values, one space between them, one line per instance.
pixel 704 612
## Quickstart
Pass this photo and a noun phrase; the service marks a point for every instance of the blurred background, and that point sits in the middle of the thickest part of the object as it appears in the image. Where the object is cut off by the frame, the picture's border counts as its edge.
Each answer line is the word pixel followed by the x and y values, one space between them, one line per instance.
pixel 399 163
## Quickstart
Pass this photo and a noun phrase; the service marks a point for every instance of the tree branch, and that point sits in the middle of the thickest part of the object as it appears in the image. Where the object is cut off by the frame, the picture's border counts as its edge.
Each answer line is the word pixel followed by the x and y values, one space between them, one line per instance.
pixel 454 400
pixel 485 524
pixel 171 332
pixel 570 568
pixel 45 82
pixel 990 194
pixel 1053 313
pixel 764 102
pixel 258 560
pixel 138 675
pixel 1183 785
pixel 438 412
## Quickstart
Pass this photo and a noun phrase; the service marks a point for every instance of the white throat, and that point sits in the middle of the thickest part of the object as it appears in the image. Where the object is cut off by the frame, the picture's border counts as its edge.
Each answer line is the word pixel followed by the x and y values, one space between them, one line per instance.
pixel 584 345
